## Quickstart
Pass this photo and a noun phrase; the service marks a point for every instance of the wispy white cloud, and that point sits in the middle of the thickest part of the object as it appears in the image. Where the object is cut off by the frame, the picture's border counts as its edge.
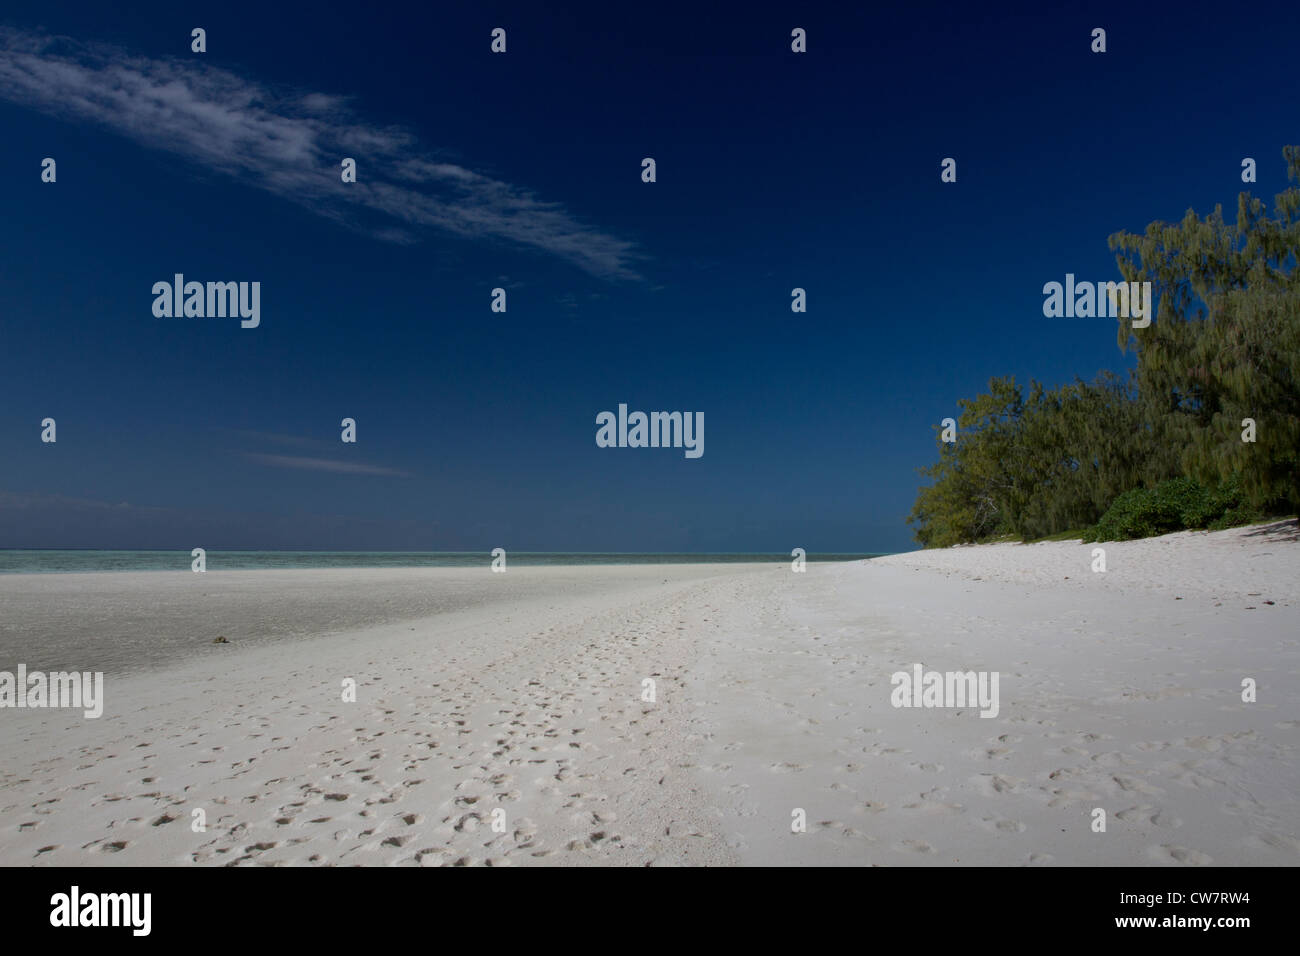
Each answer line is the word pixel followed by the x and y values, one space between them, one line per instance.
pixel 277 438
pixel 291 143
pixel 325 464
pixel 24 501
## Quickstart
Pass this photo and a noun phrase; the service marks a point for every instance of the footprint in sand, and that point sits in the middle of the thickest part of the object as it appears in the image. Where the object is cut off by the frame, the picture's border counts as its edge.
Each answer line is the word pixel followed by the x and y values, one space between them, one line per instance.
pixel 1002 826
pixel 1150 815
pixel 871 806
pixel 1275 841
pixel 1166 853
pixel 1131 785
pixel 913 846
pixel 991 784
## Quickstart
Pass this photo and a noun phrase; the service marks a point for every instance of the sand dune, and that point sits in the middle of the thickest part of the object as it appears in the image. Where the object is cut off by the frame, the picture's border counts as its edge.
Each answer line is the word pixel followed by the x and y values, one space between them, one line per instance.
pixel 525 709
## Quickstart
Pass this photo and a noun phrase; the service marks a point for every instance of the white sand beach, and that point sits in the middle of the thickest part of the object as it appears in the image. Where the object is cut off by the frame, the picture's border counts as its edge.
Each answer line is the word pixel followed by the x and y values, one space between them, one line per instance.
pixel 517 699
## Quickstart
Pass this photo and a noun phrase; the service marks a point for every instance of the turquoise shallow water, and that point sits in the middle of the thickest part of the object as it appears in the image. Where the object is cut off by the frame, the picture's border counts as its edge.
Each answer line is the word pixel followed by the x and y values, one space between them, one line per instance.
pixel 18 562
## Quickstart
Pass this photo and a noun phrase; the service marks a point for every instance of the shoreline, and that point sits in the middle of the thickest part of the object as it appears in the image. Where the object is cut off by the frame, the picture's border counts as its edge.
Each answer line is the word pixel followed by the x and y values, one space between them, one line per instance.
pixel 180 561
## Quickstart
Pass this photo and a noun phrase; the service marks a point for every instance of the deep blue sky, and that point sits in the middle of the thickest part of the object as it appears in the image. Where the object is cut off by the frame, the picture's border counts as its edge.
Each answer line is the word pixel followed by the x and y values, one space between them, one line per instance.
pixel 775 170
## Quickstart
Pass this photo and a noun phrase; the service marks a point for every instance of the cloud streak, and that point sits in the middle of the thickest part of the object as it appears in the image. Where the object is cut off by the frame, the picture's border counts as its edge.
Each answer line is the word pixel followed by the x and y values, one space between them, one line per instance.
pixel 325 464
pixel 290 143
pixel 21 501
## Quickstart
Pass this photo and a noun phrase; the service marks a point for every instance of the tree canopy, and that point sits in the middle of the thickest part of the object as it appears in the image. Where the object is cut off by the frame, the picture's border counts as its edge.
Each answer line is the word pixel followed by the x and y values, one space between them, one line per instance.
pixel 1223 348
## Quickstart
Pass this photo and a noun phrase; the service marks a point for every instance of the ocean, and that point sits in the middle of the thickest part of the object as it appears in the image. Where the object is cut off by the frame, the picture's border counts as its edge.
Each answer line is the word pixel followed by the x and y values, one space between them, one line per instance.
pixel 65 562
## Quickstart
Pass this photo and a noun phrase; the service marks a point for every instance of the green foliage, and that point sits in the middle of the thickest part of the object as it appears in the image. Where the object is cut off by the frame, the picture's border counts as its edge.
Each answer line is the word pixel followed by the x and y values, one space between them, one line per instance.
pixel 1176 505
pixel 1225 343
pixel 1250 349
pixel 1224 346
pixel 1037 465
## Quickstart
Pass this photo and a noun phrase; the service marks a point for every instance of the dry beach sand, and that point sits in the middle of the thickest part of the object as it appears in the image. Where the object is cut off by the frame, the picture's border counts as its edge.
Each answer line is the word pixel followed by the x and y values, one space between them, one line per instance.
pixel 522 693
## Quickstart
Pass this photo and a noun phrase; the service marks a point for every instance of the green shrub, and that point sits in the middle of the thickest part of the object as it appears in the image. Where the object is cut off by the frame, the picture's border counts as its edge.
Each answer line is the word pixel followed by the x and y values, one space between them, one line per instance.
pixel 1176 505
pixel 1136 514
